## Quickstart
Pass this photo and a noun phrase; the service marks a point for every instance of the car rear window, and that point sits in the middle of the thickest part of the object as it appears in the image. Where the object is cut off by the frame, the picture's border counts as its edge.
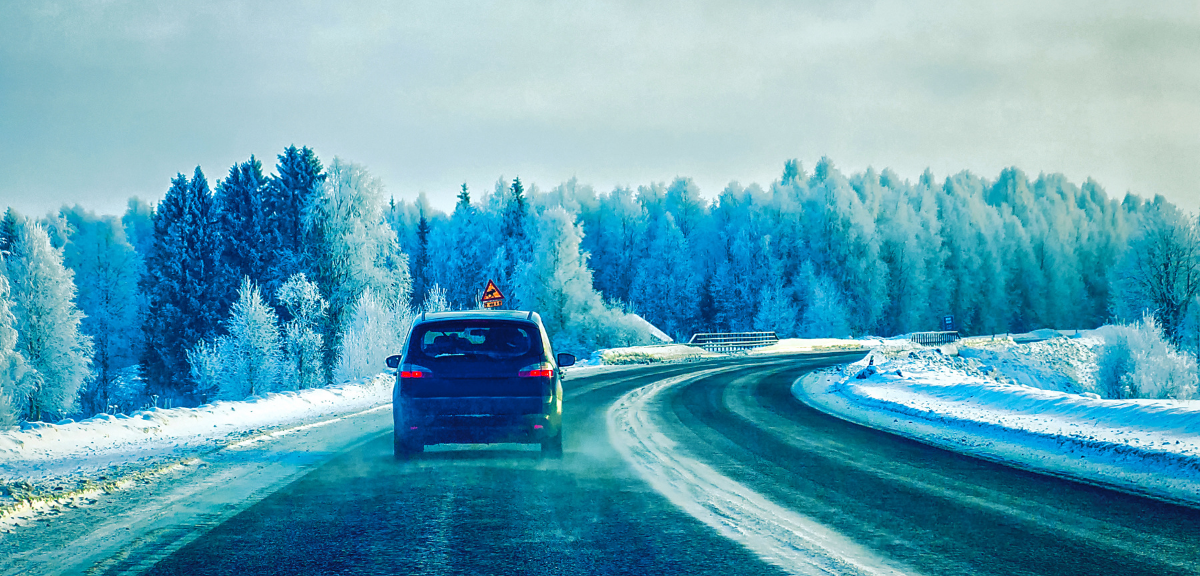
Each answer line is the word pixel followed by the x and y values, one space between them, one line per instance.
pixel 475 338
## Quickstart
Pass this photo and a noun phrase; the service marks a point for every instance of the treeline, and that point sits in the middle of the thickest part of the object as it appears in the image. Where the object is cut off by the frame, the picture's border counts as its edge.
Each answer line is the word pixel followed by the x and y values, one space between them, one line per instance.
pixel 822 254
pixel 296 279
pixel 258 283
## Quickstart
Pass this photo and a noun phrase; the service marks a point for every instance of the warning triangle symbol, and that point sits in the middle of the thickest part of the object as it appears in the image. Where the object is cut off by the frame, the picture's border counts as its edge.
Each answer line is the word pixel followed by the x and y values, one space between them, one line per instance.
pixel 491 292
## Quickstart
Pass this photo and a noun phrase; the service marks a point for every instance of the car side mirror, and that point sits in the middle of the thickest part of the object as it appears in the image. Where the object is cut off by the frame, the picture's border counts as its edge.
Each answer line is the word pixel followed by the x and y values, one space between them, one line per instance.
pixel 565 360
pixel 393 361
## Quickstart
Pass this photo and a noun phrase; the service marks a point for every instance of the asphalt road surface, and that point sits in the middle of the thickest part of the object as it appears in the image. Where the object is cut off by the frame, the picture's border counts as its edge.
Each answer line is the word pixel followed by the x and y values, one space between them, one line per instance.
pixel 503 510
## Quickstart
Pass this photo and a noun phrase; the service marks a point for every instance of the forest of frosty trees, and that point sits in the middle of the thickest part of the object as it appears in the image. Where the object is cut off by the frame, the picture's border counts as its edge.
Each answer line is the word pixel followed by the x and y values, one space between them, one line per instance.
pixel 311 275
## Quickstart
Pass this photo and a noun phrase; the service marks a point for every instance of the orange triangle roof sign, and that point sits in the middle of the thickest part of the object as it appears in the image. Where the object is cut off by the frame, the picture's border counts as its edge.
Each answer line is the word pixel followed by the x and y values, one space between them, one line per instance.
pixel 492 293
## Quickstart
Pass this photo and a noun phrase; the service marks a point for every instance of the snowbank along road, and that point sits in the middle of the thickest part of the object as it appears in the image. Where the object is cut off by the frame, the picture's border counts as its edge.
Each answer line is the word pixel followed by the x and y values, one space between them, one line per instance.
pixel 704 468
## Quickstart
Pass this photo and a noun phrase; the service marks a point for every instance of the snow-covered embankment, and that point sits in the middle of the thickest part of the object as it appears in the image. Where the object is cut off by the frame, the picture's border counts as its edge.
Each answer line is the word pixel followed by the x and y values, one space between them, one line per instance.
pixel 47 461
pixel 1149 447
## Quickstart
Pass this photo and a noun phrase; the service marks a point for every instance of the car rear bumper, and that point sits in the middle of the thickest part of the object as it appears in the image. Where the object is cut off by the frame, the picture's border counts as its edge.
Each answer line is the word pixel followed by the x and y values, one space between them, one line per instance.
pixel 476 420
pixel 530 428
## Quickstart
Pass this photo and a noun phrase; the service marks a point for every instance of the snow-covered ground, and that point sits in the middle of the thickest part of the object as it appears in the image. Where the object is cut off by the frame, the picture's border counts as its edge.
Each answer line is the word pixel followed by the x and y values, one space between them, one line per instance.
pixel 1030 405
pixel 51 460
pixel 685 353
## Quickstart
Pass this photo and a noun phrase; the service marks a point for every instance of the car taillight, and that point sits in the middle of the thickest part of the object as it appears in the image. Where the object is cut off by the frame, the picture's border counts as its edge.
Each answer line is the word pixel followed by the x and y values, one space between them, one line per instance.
pixel 543 370
pixel 413 371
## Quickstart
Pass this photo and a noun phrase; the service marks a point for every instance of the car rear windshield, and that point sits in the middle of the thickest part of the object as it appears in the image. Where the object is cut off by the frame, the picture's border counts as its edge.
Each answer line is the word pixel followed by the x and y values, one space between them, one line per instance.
pixel 475 339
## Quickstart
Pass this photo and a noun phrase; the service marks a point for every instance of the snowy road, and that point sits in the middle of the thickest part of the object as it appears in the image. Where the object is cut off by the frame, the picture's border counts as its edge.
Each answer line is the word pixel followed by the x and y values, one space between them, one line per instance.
pixel 706 468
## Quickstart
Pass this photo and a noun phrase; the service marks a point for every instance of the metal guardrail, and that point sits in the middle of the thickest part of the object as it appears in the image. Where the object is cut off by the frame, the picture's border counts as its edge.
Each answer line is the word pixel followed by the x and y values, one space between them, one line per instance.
pixel 933 338
pixel 732 341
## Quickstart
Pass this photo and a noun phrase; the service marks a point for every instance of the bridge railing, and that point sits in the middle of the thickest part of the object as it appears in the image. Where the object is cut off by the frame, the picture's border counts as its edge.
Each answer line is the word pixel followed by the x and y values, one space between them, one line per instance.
pixel 732 341
pixel 933 338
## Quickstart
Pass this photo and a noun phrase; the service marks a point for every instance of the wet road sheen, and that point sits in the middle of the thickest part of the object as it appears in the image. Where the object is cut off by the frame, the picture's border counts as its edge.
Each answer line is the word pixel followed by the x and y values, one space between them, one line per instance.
pixel 474 510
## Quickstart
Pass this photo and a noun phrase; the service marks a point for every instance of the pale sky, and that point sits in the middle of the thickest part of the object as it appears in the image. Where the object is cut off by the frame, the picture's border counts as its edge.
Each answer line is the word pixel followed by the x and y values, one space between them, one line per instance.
pixel 104 99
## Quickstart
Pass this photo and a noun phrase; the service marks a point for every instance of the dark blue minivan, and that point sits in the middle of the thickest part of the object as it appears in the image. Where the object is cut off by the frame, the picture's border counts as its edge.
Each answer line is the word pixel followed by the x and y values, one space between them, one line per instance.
pixel 478 376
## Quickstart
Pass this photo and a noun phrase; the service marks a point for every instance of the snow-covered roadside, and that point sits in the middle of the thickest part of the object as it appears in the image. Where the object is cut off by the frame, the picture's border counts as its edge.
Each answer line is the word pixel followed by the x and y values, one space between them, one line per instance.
pixel 1149 447
pixel 667 353
pixel 48 460
pixel 652 354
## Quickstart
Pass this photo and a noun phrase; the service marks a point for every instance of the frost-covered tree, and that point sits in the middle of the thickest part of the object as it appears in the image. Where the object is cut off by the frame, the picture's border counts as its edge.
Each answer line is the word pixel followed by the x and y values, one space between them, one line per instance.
pixel 974 271
pixel 185 286
pixel 245 362
pixel 106 269
pixel 902 251
pixel 1162 271
pixel 738 280
pixel 303 342
pixel 665 291
pixel 777 310
pixel 354 248
pixel 15 383
pixel 435 300
pixel 138 222
pixel 619 224
pixel 462 250
pixel 825 313
pixel 1137 362
pixel 557 283
pixel 685 205
pixel 252 358
pixel 844 245
pixel 376 328
pixel 47 323
pixel 514 248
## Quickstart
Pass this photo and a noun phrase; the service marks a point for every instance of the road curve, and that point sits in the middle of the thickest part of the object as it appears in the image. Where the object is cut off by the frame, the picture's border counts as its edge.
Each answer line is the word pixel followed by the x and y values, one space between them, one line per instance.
pixel 932 511
pixel 500 510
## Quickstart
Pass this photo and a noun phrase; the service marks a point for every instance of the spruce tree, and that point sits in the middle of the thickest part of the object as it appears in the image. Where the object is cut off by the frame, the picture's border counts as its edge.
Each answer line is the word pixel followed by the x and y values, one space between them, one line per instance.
pixel 184 284
pixel 464 198
pixel 248 246
pixel 8 230
pixel 421 261
pixel 299 175
pixel 467 243
pixel 515 244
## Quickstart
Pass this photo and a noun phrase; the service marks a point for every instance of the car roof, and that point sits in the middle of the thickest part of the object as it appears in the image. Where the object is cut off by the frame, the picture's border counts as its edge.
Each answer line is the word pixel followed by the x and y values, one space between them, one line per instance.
pixel 524 315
